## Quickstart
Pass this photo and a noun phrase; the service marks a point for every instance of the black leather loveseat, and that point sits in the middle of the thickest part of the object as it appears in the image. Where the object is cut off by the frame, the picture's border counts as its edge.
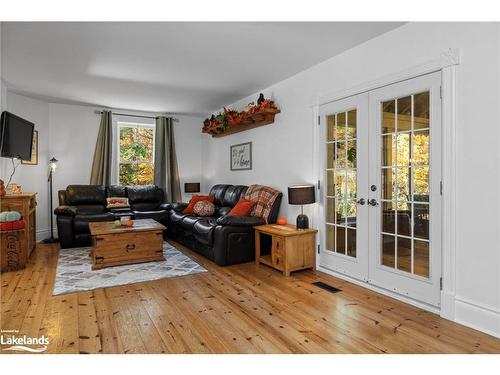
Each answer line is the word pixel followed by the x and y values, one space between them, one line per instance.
pixel 81 204
pixel 224 239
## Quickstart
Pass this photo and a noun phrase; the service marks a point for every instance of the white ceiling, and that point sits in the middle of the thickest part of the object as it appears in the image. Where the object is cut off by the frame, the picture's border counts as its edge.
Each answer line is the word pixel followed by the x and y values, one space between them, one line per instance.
pixel 173 67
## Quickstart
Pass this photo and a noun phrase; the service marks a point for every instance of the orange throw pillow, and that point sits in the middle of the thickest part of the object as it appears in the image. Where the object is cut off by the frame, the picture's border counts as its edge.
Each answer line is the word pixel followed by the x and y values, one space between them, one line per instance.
pixel 242 208
pixel 195 199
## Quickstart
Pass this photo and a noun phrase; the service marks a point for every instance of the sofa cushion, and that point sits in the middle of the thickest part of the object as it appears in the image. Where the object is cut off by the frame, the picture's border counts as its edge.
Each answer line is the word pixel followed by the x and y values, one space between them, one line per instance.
pixel 158 215
pixel 90 209
pixel 219 191
pixel 146 206
pixel 195 199
pixel 144 193
pixel 86 195
pixel 117 191
pixel 233 194
pixel 203 230
pixel 189 221
pixel 176 218
pixel 81 222
pixel 242 208
pixel 204 208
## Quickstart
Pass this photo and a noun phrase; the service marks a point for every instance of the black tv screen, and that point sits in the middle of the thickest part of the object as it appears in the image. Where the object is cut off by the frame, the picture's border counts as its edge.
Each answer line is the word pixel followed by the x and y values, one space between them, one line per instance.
pixel 16 137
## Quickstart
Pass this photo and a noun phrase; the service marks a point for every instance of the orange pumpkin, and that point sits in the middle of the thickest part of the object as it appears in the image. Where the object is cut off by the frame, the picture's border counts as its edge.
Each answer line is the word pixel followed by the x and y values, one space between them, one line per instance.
pixel 130 223
pixel 282 220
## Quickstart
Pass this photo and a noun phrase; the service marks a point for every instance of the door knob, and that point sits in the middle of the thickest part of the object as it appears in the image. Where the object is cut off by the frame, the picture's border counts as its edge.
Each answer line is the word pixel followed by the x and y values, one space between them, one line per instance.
pixel 372 202
pixel 361 201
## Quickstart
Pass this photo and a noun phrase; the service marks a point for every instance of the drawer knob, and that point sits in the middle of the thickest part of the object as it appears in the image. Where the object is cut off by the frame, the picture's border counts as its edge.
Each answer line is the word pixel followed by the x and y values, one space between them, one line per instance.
pixel 130 247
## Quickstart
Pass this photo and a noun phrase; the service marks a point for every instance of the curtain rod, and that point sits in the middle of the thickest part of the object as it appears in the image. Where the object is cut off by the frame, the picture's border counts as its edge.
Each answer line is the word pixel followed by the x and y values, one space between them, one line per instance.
pixel 140 116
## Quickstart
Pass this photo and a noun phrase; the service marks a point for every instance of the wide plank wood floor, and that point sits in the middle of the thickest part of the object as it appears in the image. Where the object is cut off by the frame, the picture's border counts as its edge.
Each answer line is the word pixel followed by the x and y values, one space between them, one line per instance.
pixel 245 308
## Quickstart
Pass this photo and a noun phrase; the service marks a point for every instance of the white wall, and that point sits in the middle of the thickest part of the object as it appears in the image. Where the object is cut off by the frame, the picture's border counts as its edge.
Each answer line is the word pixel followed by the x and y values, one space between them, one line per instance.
pixel 33 178
pixel 283 152
pixel 68 133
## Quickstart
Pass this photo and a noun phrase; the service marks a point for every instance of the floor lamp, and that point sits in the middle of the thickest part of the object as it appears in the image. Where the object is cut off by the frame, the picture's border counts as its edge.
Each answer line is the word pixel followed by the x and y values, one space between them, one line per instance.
pixel 52 168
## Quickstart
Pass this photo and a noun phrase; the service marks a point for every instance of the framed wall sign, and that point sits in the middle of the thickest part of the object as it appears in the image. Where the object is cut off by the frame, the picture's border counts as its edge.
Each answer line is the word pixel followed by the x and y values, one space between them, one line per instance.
pixel 34 151
pixel 241 156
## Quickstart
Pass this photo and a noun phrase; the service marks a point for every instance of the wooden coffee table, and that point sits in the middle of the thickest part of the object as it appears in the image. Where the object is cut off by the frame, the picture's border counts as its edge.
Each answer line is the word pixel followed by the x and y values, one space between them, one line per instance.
pixel 114 246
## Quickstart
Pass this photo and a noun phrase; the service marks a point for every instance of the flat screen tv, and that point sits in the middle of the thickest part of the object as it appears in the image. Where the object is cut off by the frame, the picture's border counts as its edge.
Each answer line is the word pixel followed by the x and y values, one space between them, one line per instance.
pixel 16 136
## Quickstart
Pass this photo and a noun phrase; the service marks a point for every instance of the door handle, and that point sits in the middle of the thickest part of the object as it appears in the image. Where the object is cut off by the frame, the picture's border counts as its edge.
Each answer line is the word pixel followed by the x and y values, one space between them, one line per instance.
pixel 361 201
pixel 372 202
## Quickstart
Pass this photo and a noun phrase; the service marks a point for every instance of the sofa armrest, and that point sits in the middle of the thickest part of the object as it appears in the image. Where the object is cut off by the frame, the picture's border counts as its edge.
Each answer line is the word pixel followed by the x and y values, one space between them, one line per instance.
pixel 241 221
pixel 66 211
pixel 179 206
pixel 166 206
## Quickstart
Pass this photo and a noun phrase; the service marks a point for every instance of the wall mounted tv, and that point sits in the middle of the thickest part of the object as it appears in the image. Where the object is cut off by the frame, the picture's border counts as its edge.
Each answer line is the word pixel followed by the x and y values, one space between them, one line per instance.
pixel 16 136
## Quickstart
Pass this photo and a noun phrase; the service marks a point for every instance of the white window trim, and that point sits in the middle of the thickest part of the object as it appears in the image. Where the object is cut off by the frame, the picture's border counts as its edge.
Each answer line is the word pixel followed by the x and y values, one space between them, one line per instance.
pixel 129 124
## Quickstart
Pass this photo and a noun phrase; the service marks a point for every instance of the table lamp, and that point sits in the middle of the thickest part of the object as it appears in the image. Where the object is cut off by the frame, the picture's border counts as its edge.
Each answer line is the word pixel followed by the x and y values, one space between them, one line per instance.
pixel 301 194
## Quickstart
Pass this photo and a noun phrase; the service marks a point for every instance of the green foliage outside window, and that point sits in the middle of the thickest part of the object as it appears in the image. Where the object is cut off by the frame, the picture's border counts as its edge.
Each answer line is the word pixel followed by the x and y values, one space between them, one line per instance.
pixel 136 156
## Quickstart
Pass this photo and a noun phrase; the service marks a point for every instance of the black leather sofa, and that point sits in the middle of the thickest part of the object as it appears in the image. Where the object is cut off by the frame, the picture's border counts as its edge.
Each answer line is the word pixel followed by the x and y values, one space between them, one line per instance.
pixel 224 239
pixel 81 204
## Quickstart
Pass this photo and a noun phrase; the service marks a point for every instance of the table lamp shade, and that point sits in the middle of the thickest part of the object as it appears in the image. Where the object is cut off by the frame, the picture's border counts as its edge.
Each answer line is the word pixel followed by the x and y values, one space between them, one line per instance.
pixel 192 187
pixel 301 194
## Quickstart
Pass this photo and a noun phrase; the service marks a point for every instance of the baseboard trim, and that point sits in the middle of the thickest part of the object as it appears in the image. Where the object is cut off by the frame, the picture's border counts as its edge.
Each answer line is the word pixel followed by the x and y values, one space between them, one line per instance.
pixel 459 310
pixel 42 234
pixel 476 316
pixel 380 290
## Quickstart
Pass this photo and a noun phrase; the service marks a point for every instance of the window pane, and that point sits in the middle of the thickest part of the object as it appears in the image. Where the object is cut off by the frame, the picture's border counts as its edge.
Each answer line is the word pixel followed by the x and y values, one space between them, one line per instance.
pixel 341 240
pixel 351 242
pixel 388 184
pixel 136 174
pixel 136 144
pixel 341 126
pixel 421 217
pixel 421 110
pixel 351 124
pixel 388 116
pixel 388 150
pixel 330 123
pixel 351 154
pixel 388 217
pixel 421 258
pixel 330 210
pixel 330 156
pixel 404 114
pixel 388 246
pixel 330 184
pixel 421 184
pixel 404 221
pixel 403 142
pixel 403 184
pixel 404 254
pixel 330 237
pixel 421 147
pixel 341 155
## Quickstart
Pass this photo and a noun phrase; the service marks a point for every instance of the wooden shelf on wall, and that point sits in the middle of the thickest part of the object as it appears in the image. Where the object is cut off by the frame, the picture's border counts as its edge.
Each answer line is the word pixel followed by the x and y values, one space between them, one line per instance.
pixel 253 121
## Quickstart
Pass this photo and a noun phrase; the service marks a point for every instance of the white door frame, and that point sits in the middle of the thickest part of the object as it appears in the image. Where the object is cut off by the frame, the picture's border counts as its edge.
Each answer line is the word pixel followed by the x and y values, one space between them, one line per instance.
pixel 447 63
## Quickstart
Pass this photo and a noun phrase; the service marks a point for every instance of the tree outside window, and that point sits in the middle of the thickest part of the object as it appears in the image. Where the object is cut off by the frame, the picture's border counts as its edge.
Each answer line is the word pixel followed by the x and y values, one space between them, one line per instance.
pixel 136 154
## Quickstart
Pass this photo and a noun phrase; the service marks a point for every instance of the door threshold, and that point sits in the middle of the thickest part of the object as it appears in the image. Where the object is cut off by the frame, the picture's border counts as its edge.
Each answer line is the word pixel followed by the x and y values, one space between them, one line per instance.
pixel 385 292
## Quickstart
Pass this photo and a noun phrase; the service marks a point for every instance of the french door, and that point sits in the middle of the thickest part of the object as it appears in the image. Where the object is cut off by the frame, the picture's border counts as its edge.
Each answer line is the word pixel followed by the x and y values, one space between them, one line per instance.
pixel 382 173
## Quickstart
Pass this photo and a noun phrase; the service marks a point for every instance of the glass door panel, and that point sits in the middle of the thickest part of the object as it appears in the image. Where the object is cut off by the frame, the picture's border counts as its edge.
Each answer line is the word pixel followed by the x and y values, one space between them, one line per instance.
pixel 344 171
pixel 405 163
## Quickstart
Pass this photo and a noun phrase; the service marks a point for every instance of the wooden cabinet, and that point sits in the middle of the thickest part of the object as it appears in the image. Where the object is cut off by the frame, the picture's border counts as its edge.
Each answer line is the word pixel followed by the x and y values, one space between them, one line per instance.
pixel 290 249
pixel 17 245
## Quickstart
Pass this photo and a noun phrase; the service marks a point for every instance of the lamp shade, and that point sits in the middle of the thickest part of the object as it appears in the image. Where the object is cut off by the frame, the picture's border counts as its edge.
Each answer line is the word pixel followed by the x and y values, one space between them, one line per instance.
pixel 301 194
pixel 192 187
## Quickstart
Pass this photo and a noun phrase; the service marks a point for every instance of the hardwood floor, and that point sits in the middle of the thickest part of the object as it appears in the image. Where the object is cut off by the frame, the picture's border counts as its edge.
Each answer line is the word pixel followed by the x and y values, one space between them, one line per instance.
pixel 239 309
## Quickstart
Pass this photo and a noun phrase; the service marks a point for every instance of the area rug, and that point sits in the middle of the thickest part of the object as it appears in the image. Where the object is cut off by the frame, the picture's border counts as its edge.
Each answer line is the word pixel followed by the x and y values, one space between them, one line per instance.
pixel 74 272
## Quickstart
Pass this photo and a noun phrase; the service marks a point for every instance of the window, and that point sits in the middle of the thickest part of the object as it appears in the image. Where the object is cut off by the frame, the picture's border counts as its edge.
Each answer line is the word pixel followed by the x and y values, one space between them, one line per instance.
pixel 135 153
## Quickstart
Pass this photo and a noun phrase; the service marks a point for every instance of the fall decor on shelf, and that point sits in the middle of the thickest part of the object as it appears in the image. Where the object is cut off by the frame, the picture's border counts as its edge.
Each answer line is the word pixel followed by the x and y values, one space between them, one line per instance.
pixel 252 116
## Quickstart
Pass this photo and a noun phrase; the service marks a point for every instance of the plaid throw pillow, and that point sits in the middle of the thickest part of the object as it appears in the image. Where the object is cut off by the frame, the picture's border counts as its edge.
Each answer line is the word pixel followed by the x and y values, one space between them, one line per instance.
pixel 264 197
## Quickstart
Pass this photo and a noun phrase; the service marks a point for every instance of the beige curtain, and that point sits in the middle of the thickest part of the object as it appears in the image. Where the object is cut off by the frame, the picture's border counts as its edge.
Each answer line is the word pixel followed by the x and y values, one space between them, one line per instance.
pixel 101 165
pixel 166 171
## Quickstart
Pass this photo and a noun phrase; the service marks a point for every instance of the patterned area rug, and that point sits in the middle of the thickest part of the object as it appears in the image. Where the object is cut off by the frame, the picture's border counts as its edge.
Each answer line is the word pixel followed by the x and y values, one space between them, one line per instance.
pixel 74 273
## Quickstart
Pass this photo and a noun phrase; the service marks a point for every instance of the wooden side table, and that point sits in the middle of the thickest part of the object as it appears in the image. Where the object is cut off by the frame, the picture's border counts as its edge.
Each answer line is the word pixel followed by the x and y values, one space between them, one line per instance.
pixel 291 250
